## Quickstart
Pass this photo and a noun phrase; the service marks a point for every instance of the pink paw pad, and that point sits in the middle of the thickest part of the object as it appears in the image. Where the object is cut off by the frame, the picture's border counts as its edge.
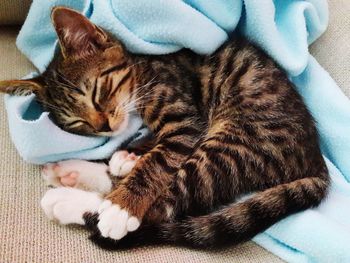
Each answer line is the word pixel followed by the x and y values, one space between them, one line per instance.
pixel 60 175
pixel 69 179
pixel 79 174
pixel 131 157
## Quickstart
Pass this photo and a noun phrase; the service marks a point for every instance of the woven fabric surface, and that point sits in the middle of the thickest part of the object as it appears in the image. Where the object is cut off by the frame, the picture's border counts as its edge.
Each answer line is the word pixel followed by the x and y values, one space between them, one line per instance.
pixel 332 50
pixel 27 236
pixel 13 12
pixel 13 63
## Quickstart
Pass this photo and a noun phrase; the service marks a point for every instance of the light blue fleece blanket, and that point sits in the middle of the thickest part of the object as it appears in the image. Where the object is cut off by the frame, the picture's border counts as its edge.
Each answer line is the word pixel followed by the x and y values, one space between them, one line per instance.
pixel 283 28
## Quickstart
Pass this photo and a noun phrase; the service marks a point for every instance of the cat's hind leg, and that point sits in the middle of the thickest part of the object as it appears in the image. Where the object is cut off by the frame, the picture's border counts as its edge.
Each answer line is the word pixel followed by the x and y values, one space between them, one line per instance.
pixel 80 174
pixel 91 176
pixel 69 205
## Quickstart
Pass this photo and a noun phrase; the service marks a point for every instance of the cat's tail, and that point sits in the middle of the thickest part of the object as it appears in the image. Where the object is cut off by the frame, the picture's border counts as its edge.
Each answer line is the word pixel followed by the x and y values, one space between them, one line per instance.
pixel 231 224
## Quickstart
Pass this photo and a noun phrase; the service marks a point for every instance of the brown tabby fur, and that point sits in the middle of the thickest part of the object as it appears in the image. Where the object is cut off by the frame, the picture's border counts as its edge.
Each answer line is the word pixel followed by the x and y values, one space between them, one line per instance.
pixel 225 125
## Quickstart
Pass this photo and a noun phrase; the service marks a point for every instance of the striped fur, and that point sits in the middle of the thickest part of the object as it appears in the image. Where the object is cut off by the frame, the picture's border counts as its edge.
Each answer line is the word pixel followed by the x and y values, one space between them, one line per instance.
pixel 224 125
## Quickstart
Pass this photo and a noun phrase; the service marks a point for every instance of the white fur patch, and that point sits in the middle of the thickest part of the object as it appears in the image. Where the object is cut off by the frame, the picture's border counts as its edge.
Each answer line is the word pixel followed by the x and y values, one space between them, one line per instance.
pixel 122 163
pixel 114 222
pixel 169 211
pixel 67 205
pixel 78 174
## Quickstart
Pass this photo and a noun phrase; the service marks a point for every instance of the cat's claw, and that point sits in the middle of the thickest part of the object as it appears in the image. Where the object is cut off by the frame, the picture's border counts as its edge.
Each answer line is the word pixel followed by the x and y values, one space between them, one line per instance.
pixel 122 162
pixel 68 205
pixel 78 174
pixel 115 222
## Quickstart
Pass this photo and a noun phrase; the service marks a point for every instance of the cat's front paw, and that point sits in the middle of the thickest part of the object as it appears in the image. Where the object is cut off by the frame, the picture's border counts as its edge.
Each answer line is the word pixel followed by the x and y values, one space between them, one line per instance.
pixel 68 205
pixel 78 174
pixel 122 162
pixel 115 222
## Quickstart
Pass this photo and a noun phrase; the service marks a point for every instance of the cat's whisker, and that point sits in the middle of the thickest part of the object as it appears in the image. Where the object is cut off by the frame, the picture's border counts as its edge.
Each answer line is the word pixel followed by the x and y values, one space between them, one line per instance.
pixel 134 102
pixel 133 108
pixel 48 105
pixel 141 88
pixel 138 98
pixel 134 94
pixel 150 82
pixel 69 85
pixel 145 96
pixel 64 78
pixel 137 63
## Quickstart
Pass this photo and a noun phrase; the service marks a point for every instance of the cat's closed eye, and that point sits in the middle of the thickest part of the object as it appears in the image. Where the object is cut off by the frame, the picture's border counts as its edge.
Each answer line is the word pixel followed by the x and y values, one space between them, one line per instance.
pixel 77 123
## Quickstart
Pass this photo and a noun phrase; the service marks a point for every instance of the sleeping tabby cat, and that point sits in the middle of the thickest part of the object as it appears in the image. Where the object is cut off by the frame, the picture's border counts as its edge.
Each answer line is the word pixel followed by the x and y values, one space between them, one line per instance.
pixel 225 126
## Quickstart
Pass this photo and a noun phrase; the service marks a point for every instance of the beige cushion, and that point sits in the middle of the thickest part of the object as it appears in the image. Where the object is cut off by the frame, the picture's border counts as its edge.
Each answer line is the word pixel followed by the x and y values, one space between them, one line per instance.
pixel 13 11
pixel 27 236
pixel 332 50
pixel 13 63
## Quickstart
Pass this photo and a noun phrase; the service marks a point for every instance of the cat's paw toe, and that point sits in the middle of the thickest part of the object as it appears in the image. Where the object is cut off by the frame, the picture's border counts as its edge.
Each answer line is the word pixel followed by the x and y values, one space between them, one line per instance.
pixel 49 169
pixel 68 205
pixel 49 200
pixel 122 162
pixel 48 173
pixel 115 222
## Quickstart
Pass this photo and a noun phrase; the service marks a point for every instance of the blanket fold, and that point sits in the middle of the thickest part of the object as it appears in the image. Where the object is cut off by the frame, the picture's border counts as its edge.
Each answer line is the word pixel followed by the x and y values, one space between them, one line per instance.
pixel 283 28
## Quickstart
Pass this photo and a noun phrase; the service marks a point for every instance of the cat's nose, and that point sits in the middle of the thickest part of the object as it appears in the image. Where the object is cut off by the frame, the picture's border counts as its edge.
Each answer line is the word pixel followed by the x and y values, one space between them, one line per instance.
pixel 105 127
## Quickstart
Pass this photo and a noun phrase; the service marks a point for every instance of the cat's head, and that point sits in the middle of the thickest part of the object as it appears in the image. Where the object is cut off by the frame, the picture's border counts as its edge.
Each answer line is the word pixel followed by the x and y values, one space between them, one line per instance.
pixel 88 88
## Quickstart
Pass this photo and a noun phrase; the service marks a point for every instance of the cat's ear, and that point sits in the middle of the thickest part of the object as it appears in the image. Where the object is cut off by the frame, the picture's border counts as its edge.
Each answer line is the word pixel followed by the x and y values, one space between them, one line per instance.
pixel 21 87
pixel 78 37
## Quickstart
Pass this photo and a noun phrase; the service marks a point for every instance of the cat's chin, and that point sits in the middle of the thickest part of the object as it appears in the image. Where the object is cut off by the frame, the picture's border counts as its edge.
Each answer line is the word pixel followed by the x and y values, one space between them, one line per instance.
pixel 121 128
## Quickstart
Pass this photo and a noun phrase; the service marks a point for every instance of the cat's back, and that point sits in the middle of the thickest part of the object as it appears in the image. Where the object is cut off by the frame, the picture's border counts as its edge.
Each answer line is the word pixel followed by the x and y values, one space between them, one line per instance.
pixel 240 70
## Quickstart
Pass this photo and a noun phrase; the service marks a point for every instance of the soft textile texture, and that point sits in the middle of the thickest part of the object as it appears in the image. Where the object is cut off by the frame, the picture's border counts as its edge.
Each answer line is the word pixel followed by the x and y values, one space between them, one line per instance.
pixel 283 28
pixel 335 44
